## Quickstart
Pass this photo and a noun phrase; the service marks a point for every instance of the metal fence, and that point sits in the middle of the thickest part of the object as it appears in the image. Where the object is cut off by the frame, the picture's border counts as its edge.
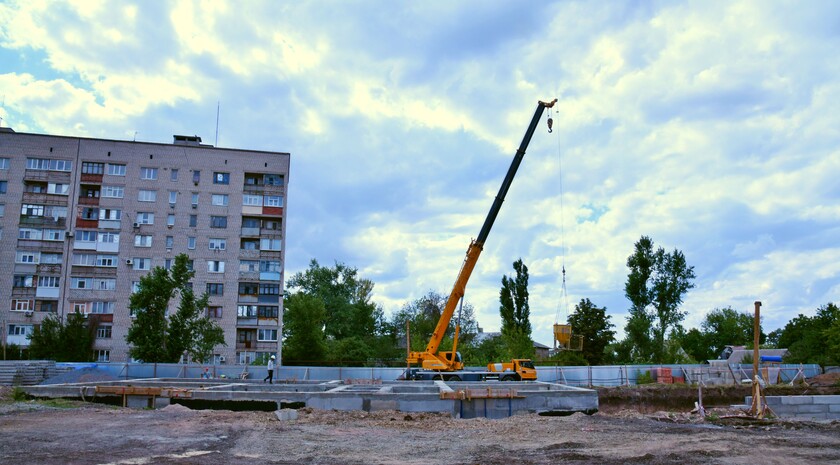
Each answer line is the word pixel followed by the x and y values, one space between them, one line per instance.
pixel 582 376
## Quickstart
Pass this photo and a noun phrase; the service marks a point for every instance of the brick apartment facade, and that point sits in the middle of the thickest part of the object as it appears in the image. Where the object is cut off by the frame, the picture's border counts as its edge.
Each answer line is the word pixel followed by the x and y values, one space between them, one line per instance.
pixel 81 220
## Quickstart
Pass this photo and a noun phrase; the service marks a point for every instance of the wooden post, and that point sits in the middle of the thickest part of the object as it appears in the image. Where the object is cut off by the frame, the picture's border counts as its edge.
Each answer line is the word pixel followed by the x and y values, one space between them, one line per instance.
pixel 756 390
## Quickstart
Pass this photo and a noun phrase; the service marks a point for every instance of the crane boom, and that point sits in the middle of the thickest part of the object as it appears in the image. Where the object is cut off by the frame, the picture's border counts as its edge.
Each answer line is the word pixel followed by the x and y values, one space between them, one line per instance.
pixel 431 359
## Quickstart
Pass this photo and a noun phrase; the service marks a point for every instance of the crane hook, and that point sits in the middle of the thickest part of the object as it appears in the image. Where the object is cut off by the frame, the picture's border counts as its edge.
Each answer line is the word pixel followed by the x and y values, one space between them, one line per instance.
pixel 550 123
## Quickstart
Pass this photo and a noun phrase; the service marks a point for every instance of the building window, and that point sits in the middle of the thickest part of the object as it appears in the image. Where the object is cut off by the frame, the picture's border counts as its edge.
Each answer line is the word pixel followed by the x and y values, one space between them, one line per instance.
pixel 273 201
pixel 249 288
pixel 268 311
pixel 149 174
pixel 173 197
pixel 48 164
pixel 48 281
pixel 215 266
pixel 142 263
pixel 89 167
pixel 102 355
pixel 170 242
pixel 270 244
pixel 20 330
pixel 106 260
pixel 27 257
pixel 214 312
pixel 215 288
pixel 251 200
pixel 103 332
pixel 48 306
pixel 146 196
pixel 108 238
pixel 246 311
pixel 104 284
pixel 114 192
pixel 218 222
pixel 269 289
pixel 191 243
pixel 266 335
pixel 217 243
pixel 111 214
pixel 102 308
pixel 142 240
pixel 116 170
pixel 173 175
pixel 146 218
pixel 32 210
pixel 221 178
pixel 81 283
pixel 21 305
pixel 4 163
pixel 196 176
pixel 193 221
pixel 4 185
pixel 195 199
pixel 90 213
pixel 273 180
pixel 249 265
pixel 219 199
pixel 270 266
pixel 170 220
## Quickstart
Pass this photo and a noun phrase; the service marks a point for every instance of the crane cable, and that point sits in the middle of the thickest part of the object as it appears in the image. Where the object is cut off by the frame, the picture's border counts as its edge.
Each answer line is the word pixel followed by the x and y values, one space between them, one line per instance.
pixel 564 297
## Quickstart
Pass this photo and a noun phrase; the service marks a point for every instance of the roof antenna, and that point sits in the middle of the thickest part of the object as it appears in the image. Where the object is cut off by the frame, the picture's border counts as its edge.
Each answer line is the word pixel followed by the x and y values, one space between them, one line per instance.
pixel 216 144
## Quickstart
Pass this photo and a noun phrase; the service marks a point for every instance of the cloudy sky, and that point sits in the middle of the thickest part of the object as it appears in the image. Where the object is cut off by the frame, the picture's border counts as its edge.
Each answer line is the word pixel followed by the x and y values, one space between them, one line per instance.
pixel 707 126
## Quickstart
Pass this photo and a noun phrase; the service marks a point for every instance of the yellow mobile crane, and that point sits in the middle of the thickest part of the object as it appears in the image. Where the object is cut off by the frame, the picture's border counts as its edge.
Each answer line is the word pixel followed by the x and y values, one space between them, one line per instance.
pixel 447 365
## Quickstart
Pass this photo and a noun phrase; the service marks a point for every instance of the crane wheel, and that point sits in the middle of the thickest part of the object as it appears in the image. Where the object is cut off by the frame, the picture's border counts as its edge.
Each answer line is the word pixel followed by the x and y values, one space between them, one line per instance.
pixel 453 378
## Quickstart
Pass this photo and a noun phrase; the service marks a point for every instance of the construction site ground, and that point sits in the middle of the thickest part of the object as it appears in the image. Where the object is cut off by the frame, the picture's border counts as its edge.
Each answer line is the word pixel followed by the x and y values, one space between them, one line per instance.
pixel 647 424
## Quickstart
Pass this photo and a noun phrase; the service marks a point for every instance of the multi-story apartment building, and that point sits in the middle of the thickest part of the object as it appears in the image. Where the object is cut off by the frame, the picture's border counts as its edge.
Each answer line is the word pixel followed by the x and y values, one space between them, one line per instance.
pixel 81 220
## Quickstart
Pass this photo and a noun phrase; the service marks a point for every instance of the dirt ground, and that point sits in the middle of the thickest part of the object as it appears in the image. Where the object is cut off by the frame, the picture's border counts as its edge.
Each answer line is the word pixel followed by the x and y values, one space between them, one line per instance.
pixel 53 432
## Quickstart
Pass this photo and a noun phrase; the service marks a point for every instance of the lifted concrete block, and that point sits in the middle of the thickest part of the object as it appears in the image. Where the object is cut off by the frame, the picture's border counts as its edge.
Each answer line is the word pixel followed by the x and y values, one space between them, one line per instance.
pixel 286 414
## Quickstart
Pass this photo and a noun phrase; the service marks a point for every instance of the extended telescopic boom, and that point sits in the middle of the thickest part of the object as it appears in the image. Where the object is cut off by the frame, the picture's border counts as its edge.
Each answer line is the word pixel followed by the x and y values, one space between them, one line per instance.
pixel 431 359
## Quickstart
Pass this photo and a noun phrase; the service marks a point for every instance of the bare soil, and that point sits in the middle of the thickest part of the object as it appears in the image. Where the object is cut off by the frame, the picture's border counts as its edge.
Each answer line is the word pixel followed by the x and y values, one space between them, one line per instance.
pixel 81 433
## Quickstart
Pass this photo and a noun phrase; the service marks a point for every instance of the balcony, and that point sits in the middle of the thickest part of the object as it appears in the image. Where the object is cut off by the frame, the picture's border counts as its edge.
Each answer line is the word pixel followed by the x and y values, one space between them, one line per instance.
pixel 23 292
pixel 48 268
pixel 62 177
pixel 246 321
pixel 41 198
pixel 249 275
pixel 250 232
pixel 94 271
pixel 85 200
pixel 91 178
pixel 249 254
pixel 86 223
pixel 40 245
pixel 43 221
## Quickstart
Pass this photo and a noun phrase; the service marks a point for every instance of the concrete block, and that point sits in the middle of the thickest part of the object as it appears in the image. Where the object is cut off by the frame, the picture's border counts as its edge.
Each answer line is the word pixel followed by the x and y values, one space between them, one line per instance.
pixel 805 409
pixel 161 402
pixel 834 408
pixel 383 405
pixel 286 414
pixel 827 400
pixel 796 400
pixel 138 401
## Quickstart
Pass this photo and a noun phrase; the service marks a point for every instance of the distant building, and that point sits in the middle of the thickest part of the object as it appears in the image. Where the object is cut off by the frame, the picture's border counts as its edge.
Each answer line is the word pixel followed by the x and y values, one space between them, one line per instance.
pixel 81 220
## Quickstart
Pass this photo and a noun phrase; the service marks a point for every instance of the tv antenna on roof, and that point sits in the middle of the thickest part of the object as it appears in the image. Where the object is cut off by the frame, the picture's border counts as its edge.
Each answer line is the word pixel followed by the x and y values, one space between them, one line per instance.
pixel 216 143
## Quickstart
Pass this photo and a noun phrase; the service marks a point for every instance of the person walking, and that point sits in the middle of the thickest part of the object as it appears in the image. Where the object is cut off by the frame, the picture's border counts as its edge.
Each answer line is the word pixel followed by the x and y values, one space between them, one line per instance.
pixel 270 367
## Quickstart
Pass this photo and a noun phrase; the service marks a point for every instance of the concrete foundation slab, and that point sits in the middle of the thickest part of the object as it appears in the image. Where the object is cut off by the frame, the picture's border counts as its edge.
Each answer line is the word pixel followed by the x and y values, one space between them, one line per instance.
pixel 490 399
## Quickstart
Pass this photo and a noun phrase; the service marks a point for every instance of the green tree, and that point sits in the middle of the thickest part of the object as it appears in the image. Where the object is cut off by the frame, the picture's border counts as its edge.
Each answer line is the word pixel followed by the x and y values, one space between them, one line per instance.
pixel 515 313
pixel 346 297
pixel 725 326
pixel 154 338
pixel 593 324
pixel 804 337
pixel 655 286
pixel 69 341
pixel 423 315
pixel 695 343
pixel 304 339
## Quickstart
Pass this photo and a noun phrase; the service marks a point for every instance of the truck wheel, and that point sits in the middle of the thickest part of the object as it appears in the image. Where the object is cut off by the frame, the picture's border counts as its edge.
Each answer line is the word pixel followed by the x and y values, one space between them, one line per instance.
pixel 508 378
pixel 454 378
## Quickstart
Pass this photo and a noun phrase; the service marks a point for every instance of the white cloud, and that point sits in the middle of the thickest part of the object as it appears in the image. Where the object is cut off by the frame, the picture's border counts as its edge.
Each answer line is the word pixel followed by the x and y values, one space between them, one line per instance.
pixel 712 130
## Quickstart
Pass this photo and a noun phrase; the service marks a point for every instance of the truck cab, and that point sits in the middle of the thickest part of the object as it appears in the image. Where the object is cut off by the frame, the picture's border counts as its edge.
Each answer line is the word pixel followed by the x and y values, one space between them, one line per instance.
pixel 518 369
